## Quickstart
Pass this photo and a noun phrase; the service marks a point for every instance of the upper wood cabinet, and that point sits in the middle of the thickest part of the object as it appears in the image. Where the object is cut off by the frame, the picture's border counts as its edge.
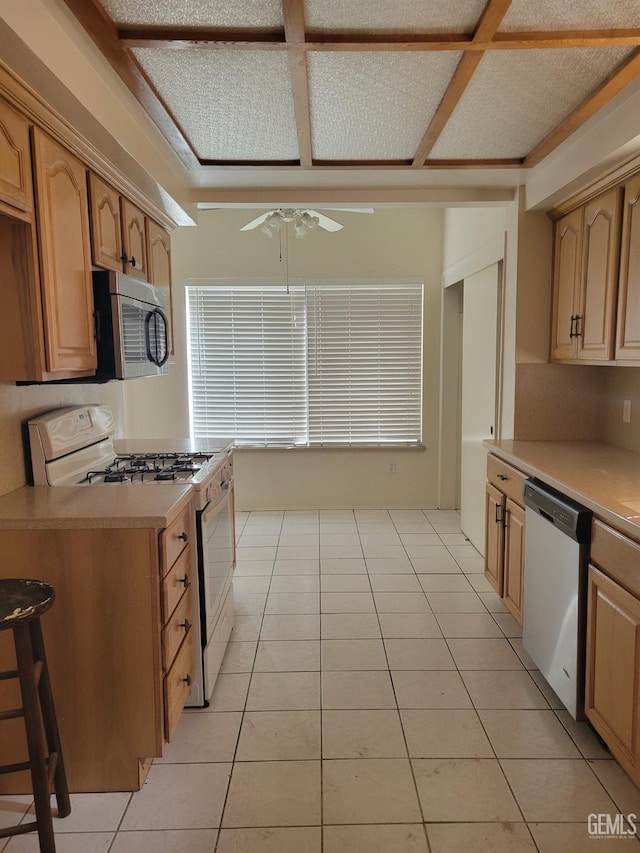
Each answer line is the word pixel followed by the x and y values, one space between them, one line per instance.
pixel 65 257
pixel 585 281
pixel 628 325
pixel 566 281
pixel 159 257
pixel 106 225
pixel 16 187
pixel 134 240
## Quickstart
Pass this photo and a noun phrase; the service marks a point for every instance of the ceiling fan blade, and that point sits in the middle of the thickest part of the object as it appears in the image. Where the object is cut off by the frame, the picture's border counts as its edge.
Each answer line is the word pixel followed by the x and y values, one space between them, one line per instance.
pixel 257 221
pixel 351 209
pixel 326 223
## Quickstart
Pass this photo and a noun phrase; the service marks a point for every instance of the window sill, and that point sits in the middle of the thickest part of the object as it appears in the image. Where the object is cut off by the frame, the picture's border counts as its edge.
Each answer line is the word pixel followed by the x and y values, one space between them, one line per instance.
pixel 387 448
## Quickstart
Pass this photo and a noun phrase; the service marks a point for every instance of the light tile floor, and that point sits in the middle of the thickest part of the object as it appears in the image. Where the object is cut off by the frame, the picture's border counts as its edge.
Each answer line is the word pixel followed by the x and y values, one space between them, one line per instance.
pixel 375 698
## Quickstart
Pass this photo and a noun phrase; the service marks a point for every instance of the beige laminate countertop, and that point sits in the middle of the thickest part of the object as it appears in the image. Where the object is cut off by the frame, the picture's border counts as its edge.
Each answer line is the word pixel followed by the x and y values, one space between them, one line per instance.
pixel 601 476
pixel 116 505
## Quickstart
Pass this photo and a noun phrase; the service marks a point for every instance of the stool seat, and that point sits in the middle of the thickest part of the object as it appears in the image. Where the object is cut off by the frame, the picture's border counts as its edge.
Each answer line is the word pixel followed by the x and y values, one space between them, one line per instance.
pixel 22 599
pixel 22 603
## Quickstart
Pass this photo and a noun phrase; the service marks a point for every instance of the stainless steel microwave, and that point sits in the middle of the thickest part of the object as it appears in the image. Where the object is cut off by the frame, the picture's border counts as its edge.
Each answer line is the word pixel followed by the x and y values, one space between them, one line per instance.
pixel 132 330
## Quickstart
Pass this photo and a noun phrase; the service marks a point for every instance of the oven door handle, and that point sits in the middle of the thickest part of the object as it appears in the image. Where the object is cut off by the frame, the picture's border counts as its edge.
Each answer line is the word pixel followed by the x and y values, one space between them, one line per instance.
pixel 213 508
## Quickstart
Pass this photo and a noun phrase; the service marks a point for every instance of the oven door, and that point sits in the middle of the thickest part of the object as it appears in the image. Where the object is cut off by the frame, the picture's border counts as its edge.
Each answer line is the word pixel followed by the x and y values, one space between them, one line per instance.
pixel 216 559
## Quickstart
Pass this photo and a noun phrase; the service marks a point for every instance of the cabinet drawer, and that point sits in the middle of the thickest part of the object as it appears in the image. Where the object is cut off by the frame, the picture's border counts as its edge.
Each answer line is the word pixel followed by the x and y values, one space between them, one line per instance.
pixel 176 536
pixel 178 626
pixel 503 476
pixel 616 555
pixel 175 582
pixel 177 684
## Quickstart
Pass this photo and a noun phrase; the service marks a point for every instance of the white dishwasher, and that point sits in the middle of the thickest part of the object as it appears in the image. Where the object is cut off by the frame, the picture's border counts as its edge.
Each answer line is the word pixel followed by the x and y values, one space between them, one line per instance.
pixel 557 536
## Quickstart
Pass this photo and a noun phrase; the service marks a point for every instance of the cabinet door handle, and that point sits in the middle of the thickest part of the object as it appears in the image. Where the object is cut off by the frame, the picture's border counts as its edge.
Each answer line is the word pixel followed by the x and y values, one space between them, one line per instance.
pixel 186 625
pixel 499 516
pixel 503 477
pixel 132 261
pixel 184 536
pixel 572 333
pixel 187 680
pixel 185 581
pixel 578 332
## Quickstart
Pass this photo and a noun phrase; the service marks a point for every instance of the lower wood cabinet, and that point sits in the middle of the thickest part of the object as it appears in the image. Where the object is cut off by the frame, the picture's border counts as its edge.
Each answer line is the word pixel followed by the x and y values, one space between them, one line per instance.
pixel 118 643
pixel 612 683
pixel 513 559
pixel 504 534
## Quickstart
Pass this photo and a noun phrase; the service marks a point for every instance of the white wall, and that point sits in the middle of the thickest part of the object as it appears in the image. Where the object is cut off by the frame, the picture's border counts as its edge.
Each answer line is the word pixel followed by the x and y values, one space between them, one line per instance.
pixel 18 404
pixel 395 242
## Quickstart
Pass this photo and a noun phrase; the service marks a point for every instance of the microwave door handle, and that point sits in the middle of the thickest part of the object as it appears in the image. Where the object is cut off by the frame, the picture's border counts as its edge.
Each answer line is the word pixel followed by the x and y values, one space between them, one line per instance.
pixel 151 355
pixel 165 323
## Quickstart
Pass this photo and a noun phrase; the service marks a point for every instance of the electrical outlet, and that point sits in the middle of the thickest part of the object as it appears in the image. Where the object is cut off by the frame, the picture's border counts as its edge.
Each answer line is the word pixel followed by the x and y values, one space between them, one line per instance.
pixel 626 412
pixel 391 467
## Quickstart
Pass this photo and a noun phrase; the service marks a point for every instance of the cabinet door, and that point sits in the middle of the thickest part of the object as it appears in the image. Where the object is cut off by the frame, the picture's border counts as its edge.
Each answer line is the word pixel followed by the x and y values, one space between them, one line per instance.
pixel 628 327
pixel 65 257
pixel 134 241
pixel 159 249
pixel 106 227
pixel 612 703
pixel 566 278
pixel 494 537
pixel 15 159
pixel 514 559
pixel 599 277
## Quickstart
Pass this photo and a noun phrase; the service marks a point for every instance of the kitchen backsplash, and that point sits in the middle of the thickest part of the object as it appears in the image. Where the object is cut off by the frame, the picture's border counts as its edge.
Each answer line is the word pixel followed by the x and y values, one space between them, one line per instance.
pixel 623 383
pixel 559 402
pixel 18 404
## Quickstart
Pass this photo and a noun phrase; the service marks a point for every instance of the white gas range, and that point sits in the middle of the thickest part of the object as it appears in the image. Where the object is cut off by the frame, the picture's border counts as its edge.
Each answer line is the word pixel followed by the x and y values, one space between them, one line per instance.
pixel 76 446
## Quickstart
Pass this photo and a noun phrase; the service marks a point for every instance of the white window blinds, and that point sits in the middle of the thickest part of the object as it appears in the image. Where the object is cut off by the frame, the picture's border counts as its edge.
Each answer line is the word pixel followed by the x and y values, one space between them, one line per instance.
pixel 364 362
pixel 321 363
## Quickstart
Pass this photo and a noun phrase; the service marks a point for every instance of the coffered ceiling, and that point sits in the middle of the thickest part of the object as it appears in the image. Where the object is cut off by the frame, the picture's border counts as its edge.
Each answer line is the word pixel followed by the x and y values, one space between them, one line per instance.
pixel 368 83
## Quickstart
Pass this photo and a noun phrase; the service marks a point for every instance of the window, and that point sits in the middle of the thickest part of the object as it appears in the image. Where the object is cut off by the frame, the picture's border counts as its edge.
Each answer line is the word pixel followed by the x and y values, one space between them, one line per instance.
pixel 317 363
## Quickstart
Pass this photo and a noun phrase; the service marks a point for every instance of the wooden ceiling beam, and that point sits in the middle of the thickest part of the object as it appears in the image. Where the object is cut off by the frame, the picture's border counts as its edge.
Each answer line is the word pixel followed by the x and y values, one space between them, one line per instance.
pixel 491 18
pixel 294 31
pixel 614 84
pixel 274 39
pixel 105 35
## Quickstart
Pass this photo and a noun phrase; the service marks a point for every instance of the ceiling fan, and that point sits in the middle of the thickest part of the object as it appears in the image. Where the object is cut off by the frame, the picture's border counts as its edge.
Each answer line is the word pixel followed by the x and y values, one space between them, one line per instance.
pixel 302 219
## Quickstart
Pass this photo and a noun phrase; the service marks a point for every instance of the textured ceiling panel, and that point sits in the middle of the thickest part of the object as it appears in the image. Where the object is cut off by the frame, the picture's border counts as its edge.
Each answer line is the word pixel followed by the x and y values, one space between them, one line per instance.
pixel 196 13
pixel 372 15
pixel 231 105
pixel 561 15
pixel 517 97
pixel 374 106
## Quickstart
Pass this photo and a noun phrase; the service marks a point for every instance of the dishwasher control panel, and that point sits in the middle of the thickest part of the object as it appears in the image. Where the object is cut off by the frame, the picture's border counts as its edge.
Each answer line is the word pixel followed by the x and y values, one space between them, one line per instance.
pixel 563 512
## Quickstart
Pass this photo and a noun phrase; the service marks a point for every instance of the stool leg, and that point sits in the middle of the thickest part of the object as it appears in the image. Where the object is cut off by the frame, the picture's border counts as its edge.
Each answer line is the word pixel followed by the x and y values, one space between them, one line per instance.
pixel 49 720
pixel 35 742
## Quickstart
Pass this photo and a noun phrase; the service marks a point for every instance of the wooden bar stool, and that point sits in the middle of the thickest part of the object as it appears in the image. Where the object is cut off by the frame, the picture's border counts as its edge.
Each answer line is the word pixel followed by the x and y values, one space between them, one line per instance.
pixel 22 603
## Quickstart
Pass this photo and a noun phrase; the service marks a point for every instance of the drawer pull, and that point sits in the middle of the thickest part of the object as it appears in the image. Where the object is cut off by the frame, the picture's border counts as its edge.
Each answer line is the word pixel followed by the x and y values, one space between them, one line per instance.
pixel 187 680
pixel 185 581
pixel 183 536
pixel 186 625
pixel 503 477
